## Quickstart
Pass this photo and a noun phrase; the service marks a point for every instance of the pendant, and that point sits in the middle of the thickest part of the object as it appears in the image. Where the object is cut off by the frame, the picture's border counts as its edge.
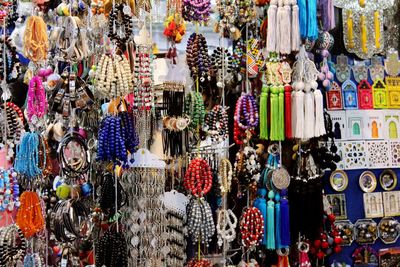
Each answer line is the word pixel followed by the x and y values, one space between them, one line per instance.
pixel 342 68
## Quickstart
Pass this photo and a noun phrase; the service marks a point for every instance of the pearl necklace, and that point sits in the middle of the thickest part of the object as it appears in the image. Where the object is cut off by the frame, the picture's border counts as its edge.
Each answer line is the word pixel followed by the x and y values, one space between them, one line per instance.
pixel 226 225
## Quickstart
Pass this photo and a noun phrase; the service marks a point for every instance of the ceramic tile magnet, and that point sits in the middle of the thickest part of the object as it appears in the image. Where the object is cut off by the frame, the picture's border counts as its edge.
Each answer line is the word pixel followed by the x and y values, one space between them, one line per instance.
pixel 374 124
pixel 338 118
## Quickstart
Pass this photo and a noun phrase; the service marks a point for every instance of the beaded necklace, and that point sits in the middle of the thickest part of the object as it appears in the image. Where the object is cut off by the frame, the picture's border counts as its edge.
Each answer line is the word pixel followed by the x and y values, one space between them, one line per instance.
pixel 216 124
pixel 197 57
pixel 37 101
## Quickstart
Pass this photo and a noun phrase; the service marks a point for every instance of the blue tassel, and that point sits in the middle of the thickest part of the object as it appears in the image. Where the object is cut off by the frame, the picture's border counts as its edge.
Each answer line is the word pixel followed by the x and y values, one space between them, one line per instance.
pixel 261 204
pixel 270 221
pixel 277 221
pixel 303 18
pixel 312 27
pixel 285 227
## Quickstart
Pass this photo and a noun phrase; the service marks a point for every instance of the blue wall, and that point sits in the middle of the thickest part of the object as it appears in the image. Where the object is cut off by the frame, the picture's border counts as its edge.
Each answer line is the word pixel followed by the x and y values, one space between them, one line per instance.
pixel 355 209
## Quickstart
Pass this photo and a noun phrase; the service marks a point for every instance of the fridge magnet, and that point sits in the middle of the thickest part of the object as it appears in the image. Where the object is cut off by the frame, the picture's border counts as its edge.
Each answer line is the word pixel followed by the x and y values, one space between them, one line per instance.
pixel 339 180
pixel 373 124
pixel 378 153
pixel 388 230
pixel 338 205
pixel 350 99
pixel 355 156
pixel 391 203
pixel 334 97
pixel 388 180
pixel 346 231
pixel 367 182
pixel 373 205
pixel 380 94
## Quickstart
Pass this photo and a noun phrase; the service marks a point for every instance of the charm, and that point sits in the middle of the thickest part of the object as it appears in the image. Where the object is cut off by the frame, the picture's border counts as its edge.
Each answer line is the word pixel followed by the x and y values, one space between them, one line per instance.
pixel 380 94
pixel 376 69
pixel 334 97
pixel 286 72
pixel 281 178
pixel 349 90
pixel 392 63
pixel 360 72
pixel 365 100
pixel 393 85
pixel 342 68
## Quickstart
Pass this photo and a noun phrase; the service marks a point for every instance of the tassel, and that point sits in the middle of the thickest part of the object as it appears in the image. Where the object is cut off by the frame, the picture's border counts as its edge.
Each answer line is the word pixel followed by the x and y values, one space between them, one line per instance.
pixel 327 14
pixel 309 115
pixel 319 114
pixel 362 3
pixel 363 34
pixel 283 261
pixel 350 34
pixel 264 113
pixel 302 18
pixel 271 34
pixel 295 34
pixel 285 222
pixel 377 25
pixel 278 33
pixel 285 29
pixel 261 204
pixel 281 114
pixel 288 111
pixel 278 244
pixel 312 27
pixel 299 118
pixel 274 114
pixel 270 222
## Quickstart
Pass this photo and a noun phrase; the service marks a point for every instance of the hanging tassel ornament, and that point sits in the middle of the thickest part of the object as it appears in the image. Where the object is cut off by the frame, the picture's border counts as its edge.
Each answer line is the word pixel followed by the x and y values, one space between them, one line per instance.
pixel 285 227
pixel 298 110
pixel 295 27
pixel 270 222
pixel 302 4
pixel 264 112
pixel 281 114
pixel 350 33
pixel 285 28
pixel 319 114
pixel 278 243
pixel 288 111
pixel 274 113
pixel 272 21
pixel 327 14
pixel 312 27
pixel 363 26
pixel 261 204
pixel 377 26
pixel 279 19
pixel 309 112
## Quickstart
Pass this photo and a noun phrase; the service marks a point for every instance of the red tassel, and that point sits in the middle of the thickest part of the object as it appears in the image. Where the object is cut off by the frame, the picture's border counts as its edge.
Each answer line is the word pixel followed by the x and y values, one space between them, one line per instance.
pixel 283 261
pixel 288 112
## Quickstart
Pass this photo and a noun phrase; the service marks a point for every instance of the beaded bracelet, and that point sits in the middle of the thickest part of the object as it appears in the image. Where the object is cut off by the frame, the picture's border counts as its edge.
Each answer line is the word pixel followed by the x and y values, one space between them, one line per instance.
pixel 200 221
pixel 251 227
pixel 196 10
pixel 216 124
pixel 246 112
pixel 198 177
pixel 197 57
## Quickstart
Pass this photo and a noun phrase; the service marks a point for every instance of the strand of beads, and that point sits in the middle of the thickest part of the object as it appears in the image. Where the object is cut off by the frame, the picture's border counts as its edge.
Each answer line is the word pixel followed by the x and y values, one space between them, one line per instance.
pixel 27 156
pixel 37 101
pixel 143 92
pixel 198 177
pixel 251 227
pixel 196 10
pixel 225 175
pixel 199 263
pixel 111 143
pixel 9 190
pixel 246 112
pixel 194 108
pixel 111 249
pixel 128 130
pixel 197 57
pixel 216 124
pixel 200 221
pixel 226 225
pixel 120 21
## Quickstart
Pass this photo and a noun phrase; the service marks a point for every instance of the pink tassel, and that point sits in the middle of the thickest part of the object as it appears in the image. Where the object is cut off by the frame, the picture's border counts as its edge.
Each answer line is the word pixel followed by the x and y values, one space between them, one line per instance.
pixel 271 33
pixel 295 34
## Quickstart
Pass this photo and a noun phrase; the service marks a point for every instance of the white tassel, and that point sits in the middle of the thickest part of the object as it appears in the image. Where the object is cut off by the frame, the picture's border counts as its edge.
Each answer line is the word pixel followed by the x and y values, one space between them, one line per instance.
pixel 271 32
pixel 299 99
pixel 279 19
pixel 309 113
pixel 293 110
pixel 285 29
pixel 319 114
pixel 295 26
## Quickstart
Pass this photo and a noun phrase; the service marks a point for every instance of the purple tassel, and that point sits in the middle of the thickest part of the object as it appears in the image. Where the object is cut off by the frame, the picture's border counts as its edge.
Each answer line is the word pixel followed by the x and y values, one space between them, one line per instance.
pixel 327 14
pixel 285 227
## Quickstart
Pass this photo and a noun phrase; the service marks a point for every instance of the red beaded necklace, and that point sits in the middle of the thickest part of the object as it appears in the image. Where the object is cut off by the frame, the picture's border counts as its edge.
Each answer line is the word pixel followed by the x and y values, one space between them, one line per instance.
pixel 252 227
pixel 198 177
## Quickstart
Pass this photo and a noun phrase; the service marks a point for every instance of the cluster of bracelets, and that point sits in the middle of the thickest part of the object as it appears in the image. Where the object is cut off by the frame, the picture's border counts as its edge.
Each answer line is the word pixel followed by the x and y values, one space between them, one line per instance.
pixel 9 190
pixel 67 218
pixel 37 101
pixel 27 156
pixel 12 245
pixel 112 249
pixel 113 76
pixel 197 57
pixel 194 109
pixel 196 10
pixel 111 142
pixel 200 221
pixel 81 162
pixel 252 227
pixel 216 124
pixel 198 177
